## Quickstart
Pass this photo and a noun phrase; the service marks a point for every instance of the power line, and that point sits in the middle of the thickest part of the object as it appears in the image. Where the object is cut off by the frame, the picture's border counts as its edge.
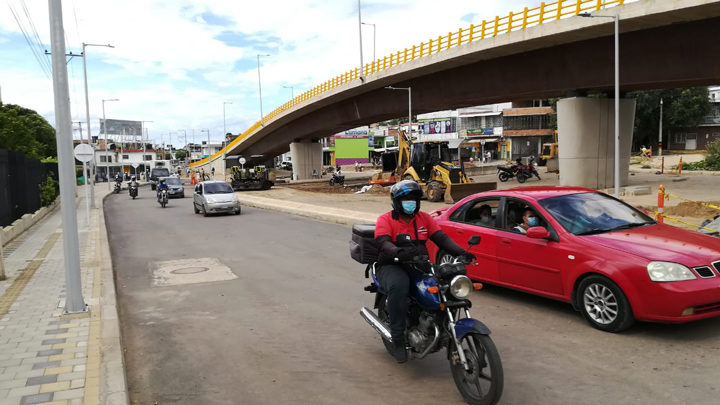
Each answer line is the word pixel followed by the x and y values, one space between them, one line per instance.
pixel 77 28
pixel 37 36
pixel 36 53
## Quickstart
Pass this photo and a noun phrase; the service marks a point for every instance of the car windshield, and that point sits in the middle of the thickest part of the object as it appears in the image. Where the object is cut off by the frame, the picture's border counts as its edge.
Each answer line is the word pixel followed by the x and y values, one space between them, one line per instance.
pixel 160 172
pixel 217 188
pixel 594 213
pixel 173 181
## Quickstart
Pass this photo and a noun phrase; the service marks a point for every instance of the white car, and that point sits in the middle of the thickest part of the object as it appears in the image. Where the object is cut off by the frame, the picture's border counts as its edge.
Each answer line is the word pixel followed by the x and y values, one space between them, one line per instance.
pixel 214 197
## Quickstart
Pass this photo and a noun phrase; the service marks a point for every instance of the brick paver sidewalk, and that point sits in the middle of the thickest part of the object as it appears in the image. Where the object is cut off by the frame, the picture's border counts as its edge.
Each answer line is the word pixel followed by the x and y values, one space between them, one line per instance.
pixel 45 356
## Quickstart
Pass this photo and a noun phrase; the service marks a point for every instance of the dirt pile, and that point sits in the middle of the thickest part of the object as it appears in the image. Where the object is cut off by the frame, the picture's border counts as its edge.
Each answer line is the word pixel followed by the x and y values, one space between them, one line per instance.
pixel 326 188
pixel 688 209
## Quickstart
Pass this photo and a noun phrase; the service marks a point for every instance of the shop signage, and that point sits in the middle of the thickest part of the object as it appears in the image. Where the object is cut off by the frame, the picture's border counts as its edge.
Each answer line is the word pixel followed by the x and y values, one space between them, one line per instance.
pixel 480 131
pixel 435 126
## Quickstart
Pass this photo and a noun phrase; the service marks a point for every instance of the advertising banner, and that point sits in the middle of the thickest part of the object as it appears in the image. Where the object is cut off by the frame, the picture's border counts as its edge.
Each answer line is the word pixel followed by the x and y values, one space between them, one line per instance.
pixel 435 126
pixel 121 127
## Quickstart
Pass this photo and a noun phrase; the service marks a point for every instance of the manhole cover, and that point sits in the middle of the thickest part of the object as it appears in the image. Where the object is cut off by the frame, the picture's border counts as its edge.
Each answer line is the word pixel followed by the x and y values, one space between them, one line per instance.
pixel 190 270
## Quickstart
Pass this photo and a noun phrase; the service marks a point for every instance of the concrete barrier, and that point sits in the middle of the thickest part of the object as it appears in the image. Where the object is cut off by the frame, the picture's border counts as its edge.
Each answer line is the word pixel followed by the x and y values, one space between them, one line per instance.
pixel 26 222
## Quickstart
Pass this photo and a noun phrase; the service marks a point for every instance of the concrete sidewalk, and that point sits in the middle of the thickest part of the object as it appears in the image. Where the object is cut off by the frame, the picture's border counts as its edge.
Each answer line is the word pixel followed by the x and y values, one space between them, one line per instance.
pixel 47 357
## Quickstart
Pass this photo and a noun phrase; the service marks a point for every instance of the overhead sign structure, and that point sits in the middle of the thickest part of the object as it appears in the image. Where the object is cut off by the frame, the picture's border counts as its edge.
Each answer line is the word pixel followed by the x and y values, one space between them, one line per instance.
pixel 121 127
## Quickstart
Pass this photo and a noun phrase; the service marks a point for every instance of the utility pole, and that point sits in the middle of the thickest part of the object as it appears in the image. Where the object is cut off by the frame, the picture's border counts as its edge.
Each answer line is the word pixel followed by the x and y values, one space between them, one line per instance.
pixel 361 75
pixel 660 132
pixel 74 302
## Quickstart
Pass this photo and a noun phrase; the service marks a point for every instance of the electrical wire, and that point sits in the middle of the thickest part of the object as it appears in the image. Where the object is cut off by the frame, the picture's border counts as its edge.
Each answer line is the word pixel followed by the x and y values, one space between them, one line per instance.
pixel 33 49
pixel 37 36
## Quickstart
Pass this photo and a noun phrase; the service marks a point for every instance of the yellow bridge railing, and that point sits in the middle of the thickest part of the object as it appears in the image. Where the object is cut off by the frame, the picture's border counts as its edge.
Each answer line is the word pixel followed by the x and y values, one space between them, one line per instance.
pixel 529 17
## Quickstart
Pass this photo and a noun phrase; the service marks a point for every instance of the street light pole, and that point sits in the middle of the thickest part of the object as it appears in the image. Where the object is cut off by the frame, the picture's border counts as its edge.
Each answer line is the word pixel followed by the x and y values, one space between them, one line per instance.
pixel 107 162
pixel 224 138
pixel 259 89
pixel 409 90
pixel 361 75
pixel 616 19
pixel 142 136
pixel 292 92
pixel 374 38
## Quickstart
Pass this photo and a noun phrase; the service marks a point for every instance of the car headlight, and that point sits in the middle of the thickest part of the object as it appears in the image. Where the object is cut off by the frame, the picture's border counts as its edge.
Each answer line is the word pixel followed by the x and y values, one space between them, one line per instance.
pixel 460 287
pixel 666 271
pixel 235 199
pixel 210 200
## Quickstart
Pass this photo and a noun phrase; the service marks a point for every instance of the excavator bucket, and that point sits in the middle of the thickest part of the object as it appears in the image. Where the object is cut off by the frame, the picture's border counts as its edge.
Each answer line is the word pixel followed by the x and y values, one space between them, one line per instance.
pixel 457 191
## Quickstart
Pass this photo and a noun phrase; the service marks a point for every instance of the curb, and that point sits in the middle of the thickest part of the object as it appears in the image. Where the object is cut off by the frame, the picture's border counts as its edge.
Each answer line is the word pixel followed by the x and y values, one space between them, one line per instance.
pixel 26 222
pixel 113 382
pixel 333 215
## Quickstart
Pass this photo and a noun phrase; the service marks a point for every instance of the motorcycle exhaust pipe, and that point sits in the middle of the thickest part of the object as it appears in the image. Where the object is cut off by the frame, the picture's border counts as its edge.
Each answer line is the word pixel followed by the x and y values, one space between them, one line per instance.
pixel 376 323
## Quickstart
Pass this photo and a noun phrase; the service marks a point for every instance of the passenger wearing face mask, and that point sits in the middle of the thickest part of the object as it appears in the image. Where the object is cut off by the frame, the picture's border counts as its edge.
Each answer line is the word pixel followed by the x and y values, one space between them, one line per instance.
pixel 485 215
pixel 392 274
pixel 529 220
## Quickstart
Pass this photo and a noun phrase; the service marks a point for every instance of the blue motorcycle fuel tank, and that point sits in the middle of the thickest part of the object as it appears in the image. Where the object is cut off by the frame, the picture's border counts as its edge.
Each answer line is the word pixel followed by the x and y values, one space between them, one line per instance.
pixel 418 291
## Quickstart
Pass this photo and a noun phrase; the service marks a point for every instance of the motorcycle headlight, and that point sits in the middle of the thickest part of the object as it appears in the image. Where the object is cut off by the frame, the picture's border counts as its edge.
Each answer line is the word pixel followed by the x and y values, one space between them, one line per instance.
pixel 664 272
pixel 460 287
pixel 210 200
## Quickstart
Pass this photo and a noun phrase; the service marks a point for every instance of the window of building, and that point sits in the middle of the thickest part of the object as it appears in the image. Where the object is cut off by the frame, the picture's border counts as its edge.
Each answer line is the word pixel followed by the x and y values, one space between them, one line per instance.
pixel 493 121
pixel 103 159
pixel 680 137
pixel 147 157
pixel 126 156
pixel 524 122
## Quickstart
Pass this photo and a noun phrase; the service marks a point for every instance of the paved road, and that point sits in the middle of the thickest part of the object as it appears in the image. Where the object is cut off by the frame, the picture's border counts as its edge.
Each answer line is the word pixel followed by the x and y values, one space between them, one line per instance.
pixel 287 330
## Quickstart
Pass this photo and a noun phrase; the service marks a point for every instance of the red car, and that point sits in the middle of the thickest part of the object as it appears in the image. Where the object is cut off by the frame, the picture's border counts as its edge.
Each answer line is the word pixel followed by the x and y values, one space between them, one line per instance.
pixel 611 261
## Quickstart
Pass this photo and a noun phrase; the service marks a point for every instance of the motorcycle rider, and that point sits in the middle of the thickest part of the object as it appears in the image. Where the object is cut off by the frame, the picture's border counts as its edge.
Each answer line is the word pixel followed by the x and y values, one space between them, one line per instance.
pixel 161 186
pixel 392 274
pixel 133 183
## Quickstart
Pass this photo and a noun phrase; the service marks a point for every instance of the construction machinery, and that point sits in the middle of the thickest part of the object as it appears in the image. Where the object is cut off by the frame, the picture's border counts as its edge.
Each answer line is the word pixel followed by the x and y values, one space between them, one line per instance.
pixel 550 155
pixel 256 177
pixel 429 163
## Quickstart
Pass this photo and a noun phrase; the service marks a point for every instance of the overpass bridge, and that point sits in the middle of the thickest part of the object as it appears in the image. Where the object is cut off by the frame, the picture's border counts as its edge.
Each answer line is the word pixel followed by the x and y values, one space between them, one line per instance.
pixel 542 52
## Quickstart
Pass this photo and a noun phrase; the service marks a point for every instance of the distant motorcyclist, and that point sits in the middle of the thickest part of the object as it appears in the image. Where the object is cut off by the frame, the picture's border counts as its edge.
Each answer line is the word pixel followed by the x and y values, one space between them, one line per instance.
pixel 393 276
pixel 133 182
pixel 161 186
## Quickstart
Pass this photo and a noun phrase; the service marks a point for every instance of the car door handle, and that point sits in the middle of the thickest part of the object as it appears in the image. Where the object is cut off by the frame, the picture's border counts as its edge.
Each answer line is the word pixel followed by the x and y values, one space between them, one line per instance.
pixel 460 231
pixel 506 241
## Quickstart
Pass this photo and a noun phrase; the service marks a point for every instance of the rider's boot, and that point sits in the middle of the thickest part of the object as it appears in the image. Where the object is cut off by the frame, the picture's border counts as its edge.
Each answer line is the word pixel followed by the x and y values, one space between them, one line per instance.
pixel 399 351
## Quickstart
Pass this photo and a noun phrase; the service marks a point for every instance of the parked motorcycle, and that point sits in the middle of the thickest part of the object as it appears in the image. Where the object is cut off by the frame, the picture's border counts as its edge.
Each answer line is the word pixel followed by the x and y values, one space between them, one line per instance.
pixel 133 190
pixel 506 173
pixel 528 171
pixel 439 317
pixel 163 198
pixel 336 178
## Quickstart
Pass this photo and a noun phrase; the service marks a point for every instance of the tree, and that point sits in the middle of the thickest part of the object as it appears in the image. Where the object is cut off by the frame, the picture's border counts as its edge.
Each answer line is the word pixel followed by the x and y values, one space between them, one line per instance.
pixel 180 154
pixel 682 108
pixel 24 130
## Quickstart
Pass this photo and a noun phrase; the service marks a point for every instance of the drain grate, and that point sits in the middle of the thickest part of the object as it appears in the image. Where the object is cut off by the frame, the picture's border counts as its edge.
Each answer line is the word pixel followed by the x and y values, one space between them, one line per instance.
pixel 189 271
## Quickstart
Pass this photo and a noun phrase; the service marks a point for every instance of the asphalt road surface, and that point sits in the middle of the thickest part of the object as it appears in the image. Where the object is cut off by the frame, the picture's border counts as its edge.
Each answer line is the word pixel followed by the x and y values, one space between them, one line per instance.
pixel 287 329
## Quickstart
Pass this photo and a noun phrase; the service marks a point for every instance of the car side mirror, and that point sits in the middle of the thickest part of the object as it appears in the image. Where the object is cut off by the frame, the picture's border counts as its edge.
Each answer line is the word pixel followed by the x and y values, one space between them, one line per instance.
pixel 403 238
pixel 474 240
pixel 537 232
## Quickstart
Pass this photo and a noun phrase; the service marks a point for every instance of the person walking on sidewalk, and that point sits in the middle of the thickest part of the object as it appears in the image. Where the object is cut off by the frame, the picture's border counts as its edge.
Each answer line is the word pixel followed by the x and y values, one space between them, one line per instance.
pixel 392 274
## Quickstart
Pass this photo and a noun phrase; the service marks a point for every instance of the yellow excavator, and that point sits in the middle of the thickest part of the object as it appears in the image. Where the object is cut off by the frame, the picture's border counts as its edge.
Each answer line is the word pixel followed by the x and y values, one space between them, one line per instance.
pixel 429 164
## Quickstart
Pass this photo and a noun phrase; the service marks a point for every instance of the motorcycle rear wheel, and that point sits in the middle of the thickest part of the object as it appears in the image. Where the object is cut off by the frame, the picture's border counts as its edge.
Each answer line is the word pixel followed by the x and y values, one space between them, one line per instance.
pixel 483 357
pixel 503 176
pixel 521 177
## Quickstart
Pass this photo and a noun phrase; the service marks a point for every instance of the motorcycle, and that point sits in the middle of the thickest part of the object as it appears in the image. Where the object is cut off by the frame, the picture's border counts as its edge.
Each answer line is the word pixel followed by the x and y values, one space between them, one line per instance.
pixel 336 178
pixel 439 317
pixel 528 171
pixel 506 173
pixel 163 198
pixel 133 190
pixel 118 186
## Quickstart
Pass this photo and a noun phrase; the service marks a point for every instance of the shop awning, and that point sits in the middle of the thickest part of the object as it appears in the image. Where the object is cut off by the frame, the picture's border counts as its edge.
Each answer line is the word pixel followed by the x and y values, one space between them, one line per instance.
pixel 477 140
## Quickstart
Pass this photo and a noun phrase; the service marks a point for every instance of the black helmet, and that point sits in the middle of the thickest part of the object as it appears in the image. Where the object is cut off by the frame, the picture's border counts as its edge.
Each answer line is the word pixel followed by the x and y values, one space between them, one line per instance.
pixel 402 190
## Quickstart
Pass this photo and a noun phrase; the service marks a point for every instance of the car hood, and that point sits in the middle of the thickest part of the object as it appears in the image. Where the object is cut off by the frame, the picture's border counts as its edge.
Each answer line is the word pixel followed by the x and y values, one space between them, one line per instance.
pixel 222 197
pixel 663 243
pixel 175 187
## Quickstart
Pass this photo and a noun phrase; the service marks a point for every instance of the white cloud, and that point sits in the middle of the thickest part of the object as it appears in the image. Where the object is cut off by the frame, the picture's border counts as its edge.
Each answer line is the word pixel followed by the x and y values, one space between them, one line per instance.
pixel 169 64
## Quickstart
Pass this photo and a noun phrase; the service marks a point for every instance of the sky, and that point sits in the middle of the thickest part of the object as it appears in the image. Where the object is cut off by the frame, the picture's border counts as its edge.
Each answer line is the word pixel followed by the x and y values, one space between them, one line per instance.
pixel 175 62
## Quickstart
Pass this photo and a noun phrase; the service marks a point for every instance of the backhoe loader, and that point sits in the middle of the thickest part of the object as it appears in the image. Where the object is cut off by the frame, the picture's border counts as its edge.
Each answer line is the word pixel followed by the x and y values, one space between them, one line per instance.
pixel 428 163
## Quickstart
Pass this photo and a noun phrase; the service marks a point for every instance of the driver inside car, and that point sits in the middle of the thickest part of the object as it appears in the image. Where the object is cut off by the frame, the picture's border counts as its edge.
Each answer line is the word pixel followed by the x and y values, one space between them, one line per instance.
pixel 393 273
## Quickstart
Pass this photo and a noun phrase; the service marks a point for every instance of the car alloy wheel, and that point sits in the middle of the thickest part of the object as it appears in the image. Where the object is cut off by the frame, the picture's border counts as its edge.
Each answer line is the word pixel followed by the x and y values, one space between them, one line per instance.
pixel 603 304
pixel 600 304
pixel 444 258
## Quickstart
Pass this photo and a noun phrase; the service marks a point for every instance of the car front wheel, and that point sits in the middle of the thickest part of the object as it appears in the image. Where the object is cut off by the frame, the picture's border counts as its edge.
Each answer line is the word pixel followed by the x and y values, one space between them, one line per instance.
pixel 604 305
pixel 444 257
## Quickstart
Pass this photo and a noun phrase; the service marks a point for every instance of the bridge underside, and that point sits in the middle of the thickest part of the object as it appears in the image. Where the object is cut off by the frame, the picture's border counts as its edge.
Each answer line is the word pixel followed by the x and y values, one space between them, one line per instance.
pixel 678 55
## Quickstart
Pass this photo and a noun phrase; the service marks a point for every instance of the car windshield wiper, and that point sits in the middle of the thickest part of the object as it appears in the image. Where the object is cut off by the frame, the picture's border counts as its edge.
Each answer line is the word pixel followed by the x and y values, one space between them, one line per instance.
pixel 595 231
pixel 632 225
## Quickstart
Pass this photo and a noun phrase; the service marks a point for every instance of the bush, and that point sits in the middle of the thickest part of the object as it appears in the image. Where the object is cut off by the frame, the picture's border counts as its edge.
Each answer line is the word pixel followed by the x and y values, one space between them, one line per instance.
pixel 711 162
pixel 48 191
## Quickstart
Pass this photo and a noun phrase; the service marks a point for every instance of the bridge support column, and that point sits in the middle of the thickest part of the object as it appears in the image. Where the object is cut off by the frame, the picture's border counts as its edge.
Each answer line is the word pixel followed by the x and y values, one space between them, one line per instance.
pixel 306 157
pixel 586 139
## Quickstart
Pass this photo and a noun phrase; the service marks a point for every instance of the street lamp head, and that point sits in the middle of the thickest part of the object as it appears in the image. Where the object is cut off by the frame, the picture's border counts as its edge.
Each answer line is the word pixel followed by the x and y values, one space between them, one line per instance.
pixel 263 54
pixel 390 87
pixel 112 99
pixel 586 14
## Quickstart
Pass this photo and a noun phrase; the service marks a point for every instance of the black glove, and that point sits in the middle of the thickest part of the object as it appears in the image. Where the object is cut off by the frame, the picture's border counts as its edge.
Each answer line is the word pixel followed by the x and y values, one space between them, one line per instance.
pixel 468 257
pixel 404 256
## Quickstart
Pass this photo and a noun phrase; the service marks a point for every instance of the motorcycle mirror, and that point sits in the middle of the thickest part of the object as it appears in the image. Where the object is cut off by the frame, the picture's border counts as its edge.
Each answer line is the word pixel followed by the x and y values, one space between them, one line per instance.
pixel 403 238
pixel 474 240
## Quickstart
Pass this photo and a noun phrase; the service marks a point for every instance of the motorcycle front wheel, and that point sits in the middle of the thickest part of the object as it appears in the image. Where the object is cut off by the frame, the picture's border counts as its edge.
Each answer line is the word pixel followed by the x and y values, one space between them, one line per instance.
pixel 332 182
pixel 383 315
pixel 482 383
pixel 521 177
pixel 503 176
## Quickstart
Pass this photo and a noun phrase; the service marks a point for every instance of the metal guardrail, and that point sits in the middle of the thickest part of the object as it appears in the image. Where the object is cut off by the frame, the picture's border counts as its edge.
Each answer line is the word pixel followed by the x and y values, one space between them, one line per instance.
pixel 514 21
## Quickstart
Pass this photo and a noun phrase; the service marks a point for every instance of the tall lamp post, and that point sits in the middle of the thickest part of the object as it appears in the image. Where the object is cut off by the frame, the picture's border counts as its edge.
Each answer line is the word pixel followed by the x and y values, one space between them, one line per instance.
pixel 260 88
pixel 361 75
pixel 87 115
pixel 373 25
pixel 144 143
pixel 292 92
pixel 660 132
pixel 224 138
pixel 208 149
pixel 409 90
pixel 616 19
pixel 107 162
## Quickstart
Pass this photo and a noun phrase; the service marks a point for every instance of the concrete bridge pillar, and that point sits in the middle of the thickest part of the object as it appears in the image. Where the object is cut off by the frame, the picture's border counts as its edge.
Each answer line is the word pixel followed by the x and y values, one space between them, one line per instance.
pixel 586 139
pixel 306 157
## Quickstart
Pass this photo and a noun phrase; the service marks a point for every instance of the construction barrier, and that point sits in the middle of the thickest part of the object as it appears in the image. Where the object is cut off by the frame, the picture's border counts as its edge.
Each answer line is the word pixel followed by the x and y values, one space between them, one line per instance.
pixel 664 195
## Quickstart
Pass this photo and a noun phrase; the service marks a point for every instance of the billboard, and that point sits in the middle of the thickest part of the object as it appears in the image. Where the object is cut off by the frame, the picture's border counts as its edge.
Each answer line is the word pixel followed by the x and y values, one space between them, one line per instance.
pixel 121 127
pixel 435 126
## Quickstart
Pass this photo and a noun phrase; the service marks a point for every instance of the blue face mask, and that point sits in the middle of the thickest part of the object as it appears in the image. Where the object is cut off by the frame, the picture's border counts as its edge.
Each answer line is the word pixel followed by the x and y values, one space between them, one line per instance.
pixel 533 221
pixel 409 207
